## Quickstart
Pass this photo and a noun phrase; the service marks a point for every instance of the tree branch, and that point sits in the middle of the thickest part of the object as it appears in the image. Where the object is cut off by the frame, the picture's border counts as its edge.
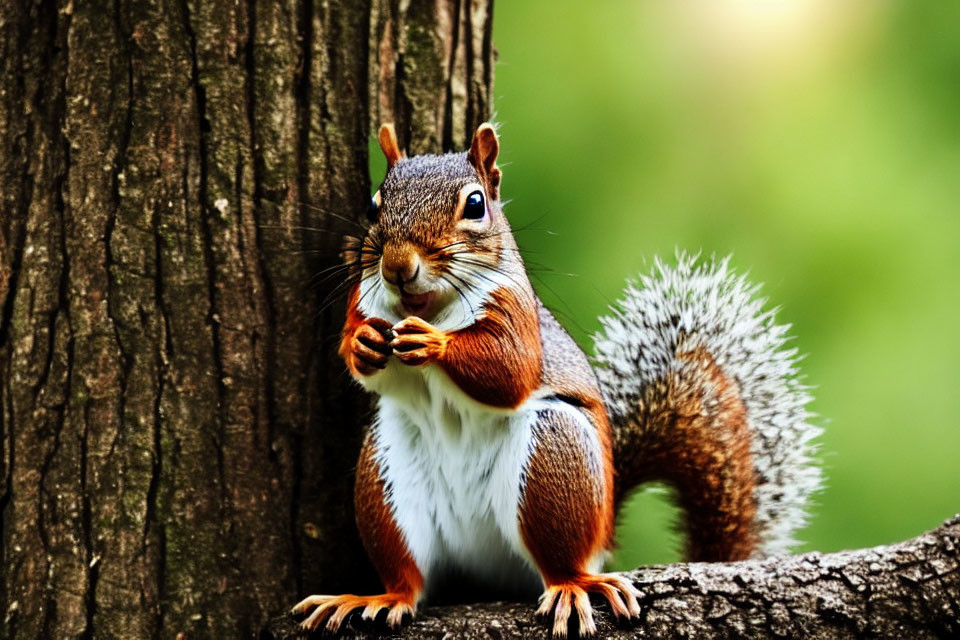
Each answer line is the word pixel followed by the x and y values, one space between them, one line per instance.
pixel 905 590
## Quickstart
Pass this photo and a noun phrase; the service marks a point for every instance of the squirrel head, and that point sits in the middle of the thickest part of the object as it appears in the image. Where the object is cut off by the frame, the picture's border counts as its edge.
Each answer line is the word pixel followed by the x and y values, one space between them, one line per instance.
pixel 437 226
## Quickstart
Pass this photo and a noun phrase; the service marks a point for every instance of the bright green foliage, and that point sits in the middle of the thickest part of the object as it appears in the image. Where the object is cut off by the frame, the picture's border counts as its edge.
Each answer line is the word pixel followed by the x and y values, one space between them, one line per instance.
pixel 819 143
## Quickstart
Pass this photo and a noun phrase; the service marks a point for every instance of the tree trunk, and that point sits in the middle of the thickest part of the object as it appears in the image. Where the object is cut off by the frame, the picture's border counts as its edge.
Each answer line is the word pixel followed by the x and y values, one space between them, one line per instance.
pixel 908 590
pixel 177 434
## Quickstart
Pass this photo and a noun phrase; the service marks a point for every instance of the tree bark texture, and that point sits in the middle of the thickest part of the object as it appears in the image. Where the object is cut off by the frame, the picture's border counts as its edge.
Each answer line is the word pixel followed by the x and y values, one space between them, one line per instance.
pixel 177 434
pixel 907 590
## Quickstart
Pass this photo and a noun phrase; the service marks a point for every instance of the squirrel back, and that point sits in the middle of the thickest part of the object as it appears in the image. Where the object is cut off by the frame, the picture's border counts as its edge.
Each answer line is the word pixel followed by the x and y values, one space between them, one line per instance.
pixel 702 394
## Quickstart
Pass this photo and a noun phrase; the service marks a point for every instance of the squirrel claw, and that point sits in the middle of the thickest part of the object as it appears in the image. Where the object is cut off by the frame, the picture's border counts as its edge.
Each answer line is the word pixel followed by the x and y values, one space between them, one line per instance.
pixel 417 341
pixel 335 609
pixel 568 597
pixel 413 324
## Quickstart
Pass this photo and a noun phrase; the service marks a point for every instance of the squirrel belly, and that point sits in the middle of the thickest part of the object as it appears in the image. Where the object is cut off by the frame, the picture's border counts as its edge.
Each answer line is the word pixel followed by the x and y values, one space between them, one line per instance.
pixel 451 445
pixel 466 474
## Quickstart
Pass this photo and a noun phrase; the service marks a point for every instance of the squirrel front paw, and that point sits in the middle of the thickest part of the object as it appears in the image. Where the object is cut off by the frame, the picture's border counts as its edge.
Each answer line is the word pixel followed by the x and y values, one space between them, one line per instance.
pixel 370 346
pixel 418 342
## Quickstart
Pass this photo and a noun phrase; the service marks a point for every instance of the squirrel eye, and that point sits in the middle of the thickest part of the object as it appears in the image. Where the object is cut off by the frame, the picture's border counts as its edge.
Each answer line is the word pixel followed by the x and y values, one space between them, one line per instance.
pixel 373 210
pixel 473 208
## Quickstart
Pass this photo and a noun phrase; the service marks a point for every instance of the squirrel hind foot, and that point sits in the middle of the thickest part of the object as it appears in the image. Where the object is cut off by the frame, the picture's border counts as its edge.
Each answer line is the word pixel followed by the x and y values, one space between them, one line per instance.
pixel 573 595
pixel 335 609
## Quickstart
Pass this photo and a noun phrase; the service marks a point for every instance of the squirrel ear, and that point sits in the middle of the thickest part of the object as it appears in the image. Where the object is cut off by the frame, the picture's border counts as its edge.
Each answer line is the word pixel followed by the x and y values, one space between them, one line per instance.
pixel 483 156
pixel 388 142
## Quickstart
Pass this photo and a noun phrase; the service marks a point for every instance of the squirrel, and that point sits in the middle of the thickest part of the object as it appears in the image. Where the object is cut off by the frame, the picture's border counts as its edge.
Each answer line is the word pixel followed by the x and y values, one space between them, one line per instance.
pixel 497 451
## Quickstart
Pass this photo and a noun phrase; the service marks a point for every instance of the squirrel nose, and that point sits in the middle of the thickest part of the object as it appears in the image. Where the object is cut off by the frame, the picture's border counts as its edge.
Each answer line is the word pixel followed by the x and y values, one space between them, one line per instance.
pixel 399 265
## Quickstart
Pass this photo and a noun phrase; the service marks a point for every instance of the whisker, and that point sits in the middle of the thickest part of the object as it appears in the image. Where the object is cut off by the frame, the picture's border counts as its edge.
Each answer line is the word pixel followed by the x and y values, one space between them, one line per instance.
pixel 519 288
pixel 299 252
pixel 334 295
pixel 346 219
pixel 299 227
pixel 568 313
pixel 336 288
pixel 445 247
pixel 530 225
pixel 474 272
pixel 304 205
pixel 478 239
pixel 466 285
pixel 361 299
pixel 488 267
pixel 569 310
pixel 460 295
pixel 335 271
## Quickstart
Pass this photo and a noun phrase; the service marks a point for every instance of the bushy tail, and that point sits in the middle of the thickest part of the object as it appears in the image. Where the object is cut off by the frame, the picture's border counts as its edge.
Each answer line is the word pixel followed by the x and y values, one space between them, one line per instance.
pixel 703 395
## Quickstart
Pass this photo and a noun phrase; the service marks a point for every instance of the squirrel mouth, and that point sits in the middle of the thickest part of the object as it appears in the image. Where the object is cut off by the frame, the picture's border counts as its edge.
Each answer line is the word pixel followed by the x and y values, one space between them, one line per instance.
pixel 416 303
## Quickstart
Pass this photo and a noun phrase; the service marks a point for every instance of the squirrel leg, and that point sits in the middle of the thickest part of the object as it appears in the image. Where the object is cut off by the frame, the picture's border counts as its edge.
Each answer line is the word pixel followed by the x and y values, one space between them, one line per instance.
pixel 566 518
pixel 388 551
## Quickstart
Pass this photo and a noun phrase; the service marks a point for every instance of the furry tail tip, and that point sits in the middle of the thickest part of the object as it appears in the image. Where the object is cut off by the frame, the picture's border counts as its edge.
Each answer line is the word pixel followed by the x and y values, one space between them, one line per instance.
pixel 692 367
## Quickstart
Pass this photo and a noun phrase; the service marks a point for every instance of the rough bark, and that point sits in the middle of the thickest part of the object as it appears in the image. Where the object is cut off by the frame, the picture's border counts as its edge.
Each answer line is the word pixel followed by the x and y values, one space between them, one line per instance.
pixel 176 434
pixel 906 590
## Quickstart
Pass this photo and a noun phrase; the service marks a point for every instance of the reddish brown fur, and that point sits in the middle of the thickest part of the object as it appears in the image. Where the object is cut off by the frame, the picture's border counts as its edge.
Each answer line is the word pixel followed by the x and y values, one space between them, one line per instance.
pixel 381 537
pixel 388 143
pixel 567 373
pixel 483 156
pixel 387 550
pixel 566 510
pixel 362 359
pixel 699 443
pixel 419 342
pixel 498 360
pixel 354 319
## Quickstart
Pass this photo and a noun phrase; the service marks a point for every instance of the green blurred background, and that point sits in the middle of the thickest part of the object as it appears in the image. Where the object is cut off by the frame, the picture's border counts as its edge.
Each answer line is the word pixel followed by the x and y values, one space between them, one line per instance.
pixel 819 143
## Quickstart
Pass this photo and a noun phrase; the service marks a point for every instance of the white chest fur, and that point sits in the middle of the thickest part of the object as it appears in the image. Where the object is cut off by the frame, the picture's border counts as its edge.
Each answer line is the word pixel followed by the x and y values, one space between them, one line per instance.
pixel 453 472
